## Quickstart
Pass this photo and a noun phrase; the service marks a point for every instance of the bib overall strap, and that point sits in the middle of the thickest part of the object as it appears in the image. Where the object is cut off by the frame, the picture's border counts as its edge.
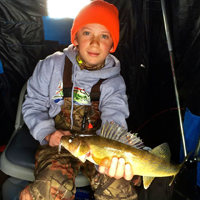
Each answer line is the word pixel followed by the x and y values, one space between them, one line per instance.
pixel 67 83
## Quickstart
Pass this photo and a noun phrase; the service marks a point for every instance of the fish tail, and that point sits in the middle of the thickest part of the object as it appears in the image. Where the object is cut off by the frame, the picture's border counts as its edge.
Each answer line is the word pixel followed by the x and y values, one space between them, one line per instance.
pixel 185 159
pixel 180 166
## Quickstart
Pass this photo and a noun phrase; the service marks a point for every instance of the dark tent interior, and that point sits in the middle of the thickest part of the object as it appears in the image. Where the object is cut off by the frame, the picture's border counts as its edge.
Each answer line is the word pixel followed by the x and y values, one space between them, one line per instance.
pixel 28 35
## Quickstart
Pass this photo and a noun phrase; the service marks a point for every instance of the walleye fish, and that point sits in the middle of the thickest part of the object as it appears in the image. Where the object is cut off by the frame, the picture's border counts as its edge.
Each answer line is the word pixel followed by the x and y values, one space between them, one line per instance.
pixel 115 141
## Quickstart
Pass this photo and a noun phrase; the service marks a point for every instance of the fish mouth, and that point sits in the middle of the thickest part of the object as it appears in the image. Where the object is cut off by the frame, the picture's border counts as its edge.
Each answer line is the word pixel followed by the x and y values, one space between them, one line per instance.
pixel 59 147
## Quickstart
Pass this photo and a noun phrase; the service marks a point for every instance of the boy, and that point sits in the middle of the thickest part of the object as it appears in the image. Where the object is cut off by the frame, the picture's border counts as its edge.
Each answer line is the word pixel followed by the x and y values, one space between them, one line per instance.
pixel 50 114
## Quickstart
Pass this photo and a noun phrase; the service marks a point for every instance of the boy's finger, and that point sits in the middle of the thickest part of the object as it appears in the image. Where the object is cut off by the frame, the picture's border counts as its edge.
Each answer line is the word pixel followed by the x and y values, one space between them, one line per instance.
pixel 120 168
pixel 113 167
pixel 102 169
pixel 128 174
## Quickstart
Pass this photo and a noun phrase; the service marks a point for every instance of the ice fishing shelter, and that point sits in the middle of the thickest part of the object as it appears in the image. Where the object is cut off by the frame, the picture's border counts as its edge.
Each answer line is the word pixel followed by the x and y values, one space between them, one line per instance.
pixel 27 35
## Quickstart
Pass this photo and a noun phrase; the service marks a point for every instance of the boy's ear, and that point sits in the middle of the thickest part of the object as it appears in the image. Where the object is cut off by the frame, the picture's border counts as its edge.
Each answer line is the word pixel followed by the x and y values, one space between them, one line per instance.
pixel 111 48
pixel 75 40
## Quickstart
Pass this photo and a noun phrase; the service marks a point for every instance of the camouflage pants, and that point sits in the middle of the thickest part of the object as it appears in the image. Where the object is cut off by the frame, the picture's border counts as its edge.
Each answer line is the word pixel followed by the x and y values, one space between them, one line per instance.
pixel 55 178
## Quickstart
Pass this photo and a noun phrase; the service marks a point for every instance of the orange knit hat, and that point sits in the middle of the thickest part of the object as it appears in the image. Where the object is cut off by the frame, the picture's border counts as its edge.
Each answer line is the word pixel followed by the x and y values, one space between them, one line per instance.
pixel 99 12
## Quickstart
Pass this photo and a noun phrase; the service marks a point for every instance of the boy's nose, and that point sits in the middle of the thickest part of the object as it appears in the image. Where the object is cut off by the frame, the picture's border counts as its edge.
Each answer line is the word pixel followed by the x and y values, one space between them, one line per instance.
pixel 94 41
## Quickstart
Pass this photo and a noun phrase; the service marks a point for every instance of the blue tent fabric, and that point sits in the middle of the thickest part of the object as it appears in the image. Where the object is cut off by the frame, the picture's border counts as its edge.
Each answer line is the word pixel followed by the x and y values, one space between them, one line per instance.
pixel 57 29
pixel 191 127
pixel 1 67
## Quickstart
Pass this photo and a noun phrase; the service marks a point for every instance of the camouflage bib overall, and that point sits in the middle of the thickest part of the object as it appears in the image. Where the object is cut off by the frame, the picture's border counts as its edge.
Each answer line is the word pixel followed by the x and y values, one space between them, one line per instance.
pixel 55 173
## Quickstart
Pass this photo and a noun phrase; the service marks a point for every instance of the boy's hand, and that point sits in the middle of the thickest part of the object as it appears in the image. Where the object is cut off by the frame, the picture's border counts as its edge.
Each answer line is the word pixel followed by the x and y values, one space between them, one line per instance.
pixel 54 138
pixel 117 169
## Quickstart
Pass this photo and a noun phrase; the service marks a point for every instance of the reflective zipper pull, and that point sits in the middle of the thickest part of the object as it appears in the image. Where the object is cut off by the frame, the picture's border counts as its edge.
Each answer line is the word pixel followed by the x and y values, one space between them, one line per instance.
pixel 89 123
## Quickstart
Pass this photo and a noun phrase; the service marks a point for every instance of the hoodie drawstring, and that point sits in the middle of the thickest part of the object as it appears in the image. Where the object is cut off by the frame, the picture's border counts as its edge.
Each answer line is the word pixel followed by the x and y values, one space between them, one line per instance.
pixel 71 114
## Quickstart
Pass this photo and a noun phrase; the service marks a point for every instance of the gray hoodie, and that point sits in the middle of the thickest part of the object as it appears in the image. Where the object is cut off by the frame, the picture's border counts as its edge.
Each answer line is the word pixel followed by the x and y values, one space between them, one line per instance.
pixel 44 92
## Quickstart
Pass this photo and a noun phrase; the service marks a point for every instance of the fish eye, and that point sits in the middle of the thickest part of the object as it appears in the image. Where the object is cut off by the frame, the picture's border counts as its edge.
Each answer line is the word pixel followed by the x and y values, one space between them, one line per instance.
pixel 70 140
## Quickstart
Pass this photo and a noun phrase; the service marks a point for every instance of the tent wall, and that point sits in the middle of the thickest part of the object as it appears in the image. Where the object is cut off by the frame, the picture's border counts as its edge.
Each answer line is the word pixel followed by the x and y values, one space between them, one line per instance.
pixel 142 51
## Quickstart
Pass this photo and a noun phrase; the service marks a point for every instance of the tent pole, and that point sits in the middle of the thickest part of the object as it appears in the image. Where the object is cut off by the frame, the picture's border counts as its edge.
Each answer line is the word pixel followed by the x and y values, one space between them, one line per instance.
pixel 197 150
pixel 173 72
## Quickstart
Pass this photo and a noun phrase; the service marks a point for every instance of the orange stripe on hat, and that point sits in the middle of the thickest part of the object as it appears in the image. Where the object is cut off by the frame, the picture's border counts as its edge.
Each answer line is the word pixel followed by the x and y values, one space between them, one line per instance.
pixel 99 12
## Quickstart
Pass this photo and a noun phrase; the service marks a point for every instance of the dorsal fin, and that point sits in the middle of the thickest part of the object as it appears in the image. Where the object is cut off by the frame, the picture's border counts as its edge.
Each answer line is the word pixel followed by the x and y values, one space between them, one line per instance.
pixel 113 131
pixel 162 151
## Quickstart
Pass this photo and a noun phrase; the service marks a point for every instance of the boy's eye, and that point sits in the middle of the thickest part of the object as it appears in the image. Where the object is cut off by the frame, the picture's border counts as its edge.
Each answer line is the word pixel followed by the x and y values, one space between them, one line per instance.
pixel 86 33
pixel 104 36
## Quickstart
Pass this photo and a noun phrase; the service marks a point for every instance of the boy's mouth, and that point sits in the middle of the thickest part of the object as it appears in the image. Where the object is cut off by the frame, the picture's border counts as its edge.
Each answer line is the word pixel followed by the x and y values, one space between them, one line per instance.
pixel 93 54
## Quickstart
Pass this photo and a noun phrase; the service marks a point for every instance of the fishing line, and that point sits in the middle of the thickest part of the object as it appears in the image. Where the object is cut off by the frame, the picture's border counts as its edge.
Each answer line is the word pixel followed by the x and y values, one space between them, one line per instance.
pixel 171 109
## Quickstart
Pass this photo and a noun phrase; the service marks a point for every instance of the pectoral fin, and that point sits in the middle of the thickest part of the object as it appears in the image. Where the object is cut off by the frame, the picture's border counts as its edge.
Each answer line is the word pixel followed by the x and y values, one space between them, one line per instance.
pixel 147 181
pixel 82 158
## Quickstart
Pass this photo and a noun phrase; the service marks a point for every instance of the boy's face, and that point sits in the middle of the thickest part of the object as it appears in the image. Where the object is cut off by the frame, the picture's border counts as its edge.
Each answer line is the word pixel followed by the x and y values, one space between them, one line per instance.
pixel 94 43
